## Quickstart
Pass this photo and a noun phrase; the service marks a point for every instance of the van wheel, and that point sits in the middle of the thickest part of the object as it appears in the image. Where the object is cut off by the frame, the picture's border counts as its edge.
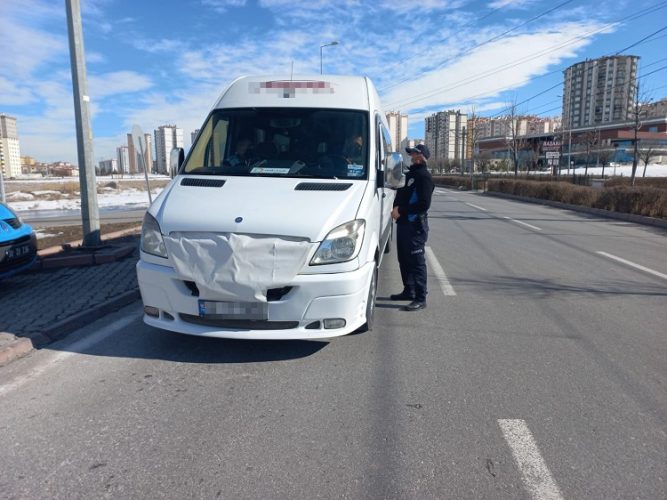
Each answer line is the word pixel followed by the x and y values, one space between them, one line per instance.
pixel 370 303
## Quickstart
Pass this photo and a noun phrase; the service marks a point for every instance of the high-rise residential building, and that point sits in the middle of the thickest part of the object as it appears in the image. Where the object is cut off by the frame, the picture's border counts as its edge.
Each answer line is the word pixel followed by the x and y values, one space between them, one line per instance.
pixel 525 125
pixel 123 155
pixel 132 154
pixel 398 129
pixel 167 137
pixel 10 152
pixel 444 134
pixel 108 167
pixel 599 91
pixel 656 109
pixel 193 136
pixel 148 160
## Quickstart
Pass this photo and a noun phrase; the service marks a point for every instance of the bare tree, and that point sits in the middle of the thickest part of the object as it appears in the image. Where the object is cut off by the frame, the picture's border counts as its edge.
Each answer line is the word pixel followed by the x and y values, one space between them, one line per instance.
pixel 646 154
pixel 484 161
pixel 590 142
pixel 638 114
pixel 512 135
pixel 474 132
pixel 604 157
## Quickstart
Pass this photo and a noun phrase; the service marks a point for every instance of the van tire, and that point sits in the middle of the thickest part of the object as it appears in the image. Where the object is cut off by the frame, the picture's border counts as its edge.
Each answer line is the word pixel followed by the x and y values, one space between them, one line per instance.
pixel 370 303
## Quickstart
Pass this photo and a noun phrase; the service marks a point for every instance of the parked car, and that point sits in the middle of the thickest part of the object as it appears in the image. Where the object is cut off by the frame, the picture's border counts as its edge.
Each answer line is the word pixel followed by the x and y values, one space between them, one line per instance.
pixel 18 243
pixel 278 219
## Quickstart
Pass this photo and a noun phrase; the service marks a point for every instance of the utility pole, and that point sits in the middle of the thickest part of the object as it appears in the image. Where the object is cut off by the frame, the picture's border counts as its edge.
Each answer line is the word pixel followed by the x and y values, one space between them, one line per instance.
pixel 463 148
pixel 90 215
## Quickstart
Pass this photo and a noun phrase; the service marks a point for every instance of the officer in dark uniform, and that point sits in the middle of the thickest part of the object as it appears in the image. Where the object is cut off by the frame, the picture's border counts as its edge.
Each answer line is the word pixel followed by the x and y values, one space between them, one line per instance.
pixel 410 213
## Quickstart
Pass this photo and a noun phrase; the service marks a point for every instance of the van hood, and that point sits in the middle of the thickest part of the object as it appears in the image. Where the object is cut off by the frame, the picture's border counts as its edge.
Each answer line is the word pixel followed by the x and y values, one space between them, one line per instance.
pixel 296 208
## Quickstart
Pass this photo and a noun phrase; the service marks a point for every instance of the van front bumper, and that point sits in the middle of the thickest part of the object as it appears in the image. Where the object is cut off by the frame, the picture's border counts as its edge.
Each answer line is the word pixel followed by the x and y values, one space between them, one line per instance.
pixel 298 314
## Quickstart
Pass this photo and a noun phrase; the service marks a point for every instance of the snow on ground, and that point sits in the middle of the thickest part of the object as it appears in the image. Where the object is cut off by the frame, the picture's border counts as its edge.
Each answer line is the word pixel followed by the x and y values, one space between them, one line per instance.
pixel 653 170
pixel 127 198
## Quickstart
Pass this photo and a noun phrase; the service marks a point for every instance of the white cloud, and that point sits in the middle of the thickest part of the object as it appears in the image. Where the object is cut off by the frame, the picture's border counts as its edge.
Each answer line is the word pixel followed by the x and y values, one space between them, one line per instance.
pixel 164 45
pixel 117 82
pixel 12 94
pixel 24 49
pixel 95 57
pixel 506 64
pixel 223 5
pixel 515 4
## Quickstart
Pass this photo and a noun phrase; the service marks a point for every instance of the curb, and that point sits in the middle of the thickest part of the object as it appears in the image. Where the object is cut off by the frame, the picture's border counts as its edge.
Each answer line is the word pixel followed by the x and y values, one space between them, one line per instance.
pixel 17 349
pixel 24 345
pixel 639 219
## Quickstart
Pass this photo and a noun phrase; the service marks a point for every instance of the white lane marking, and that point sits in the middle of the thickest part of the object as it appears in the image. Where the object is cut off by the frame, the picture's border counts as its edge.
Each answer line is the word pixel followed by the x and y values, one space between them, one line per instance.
pixel 475 206
pixel 439 272
pixel 524 224
pixel 534 471
pixel 438 191
pixel 636 266
pixel 72 349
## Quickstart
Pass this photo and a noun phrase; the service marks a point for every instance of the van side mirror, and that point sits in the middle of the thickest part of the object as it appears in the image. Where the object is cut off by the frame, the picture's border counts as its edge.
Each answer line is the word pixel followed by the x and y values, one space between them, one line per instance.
pixel 176 158
pixel 393 172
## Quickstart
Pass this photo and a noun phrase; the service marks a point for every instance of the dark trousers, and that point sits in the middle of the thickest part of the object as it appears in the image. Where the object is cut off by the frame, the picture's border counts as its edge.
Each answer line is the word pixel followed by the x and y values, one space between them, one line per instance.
pixel 410 240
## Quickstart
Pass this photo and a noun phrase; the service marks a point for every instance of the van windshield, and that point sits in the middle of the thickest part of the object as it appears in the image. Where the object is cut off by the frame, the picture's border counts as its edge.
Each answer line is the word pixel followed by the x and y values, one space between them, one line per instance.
pixel 282 142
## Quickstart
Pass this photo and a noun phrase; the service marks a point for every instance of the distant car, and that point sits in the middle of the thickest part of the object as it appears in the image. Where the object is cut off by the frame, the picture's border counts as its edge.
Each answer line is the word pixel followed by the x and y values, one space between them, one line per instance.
pixel 18 243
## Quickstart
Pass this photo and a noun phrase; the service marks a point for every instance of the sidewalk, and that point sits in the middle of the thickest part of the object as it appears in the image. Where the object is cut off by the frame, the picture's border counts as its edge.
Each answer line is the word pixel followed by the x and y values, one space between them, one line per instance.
pixel 41 306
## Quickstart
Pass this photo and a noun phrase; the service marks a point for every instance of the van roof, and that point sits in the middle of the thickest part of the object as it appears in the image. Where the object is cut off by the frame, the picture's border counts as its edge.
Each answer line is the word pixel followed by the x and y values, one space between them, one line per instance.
pixel 303 91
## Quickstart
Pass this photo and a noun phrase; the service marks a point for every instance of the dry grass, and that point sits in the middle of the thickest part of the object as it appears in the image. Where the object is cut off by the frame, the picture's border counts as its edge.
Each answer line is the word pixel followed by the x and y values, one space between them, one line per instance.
pixel 638 200
pixel 69 234
pixel 72 187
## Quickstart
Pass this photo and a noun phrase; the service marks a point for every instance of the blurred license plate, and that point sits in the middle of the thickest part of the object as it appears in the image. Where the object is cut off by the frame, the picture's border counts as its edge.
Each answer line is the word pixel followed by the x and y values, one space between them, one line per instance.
pixel 234 310
pixel 18 252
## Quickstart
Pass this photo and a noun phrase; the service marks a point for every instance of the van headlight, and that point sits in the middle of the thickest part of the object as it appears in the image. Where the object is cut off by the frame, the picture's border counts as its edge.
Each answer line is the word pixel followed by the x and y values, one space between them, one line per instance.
pixel 341 244
pixel 151 237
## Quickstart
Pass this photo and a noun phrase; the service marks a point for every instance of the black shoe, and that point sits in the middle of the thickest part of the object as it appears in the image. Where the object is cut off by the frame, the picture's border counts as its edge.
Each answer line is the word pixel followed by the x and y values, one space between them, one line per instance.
pixel 403 296
pixel 415 305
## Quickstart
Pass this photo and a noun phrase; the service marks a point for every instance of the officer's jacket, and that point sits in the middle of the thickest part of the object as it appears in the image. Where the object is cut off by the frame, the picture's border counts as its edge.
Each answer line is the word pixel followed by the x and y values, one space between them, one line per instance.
pixel 414 199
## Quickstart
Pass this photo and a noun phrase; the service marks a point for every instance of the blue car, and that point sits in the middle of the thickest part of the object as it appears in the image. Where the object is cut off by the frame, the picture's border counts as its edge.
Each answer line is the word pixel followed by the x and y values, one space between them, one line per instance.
pixel 18 243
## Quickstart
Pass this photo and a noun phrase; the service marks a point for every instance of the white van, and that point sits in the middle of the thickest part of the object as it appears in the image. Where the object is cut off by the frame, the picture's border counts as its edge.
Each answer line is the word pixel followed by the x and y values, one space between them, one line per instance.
pixel 276 224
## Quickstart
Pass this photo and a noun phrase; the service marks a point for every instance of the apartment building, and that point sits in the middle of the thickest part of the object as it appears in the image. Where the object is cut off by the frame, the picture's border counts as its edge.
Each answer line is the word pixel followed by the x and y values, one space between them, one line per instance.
pixel 398 129
pixel 108 167
pixel 598 91
pixel 10 151
pixel 167 137
pixel 123 156
pixel 444 134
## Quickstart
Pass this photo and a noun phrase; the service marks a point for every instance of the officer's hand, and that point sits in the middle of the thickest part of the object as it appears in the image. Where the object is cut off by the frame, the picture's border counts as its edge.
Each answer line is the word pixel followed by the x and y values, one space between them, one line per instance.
pixel 394 213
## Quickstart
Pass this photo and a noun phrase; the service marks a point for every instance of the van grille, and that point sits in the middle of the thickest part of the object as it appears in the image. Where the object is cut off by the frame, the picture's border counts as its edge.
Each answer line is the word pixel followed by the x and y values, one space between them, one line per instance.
pixel 240 324
pixel 321 186
pixel 196 182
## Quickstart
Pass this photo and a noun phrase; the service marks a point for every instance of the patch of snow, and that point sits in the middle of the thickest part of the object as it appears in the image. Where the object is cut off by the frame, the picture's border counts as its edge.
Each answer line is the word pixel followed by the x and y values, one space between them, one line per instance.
pixel 19 196
pixel 653 170
pixel 40 235
pixel 125 198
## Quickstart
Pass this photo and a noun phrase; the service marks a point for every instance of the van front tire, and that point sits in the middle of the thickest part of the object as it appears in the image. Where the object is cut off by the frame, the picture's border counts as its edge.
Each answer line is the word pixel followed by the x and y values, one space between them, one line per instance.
pixel 370 303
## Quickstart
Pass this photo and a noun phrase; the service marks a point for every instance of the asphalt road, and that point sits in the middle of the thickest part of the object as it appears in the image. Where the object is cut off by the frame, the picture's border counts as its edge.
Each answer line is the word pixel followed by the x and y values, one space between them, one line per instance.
pixel 537 371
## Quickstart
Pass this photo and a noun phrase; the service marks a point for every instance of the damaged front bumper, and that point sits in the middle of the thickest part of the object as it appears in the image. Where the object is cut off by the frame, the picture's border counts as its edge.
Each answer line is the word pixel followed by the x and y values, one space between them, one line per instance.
pixel 311 307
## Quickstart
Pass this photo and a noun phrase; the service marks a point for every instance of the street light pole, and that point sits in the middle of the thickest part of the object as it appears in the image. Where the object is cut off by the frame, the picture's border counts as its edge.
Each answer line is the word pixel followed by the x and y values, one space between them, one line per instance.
pixel 321 47
pixel 84 136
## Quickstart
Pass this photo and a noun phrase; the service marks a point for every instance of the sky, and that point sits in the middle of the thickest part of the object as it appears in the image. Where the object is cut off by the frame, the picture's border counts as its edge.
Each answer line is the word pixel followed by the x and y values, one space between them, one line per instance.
pixel 161 62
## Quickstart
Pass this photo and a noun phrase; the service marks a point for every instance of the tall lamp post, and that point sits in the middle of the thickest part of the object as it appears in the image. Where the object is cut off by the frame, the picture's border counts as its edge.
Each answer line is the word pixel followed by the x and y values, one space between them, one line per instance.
pixel 321 47
pixel 569 129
